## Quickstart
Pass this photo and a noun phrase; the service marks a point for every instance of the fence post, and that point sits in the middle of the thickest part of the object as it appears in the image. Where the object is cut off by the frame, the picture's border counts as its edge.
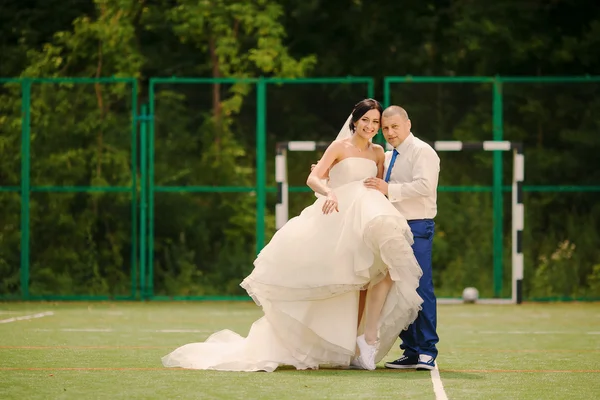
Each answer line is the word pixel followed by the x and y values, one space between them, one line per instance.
pixel 25 183
pixel 149 182
pixel 371 94
pixel 498 133
pixel 386 92
pixel 261 162
pixel 134 169
pixel 143 200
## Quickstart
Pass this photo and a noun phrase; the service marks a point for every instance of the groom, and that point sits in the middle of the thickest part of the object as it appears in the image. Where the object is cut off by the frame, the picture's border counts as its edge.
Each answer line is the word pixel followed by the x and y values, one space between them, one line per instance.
pixel 411 178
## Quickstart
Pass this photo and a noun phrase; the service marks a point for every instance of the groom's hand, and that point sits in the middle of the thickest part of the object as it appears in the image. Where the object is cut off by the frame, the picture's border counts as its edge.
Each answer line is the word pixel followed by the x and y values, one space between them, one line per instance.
pixel 377 184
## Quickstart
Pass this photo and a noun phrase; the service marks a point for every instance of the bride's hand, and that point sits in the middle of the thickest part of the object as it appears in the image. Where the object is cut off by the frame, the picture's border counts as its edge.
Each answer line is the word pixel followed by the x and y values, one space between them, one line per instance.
pixel 331 204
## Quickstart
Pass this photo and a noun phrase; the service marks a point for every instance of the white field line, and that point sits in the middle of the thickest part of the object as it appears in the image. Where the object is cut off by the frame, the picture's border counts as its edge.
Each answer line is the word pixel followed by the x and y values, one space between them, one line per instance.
pixel 438 386
pixel 108 330
pixel 72 330
pixel 180 331
pixel 25 317
pixel 534 332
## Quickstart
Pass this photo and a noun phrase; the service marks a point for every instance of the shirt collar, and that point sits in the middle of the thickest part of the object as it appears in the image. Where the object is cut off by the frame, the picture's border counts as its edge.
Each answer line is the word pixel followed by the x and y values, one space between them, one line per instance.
pixel 406 143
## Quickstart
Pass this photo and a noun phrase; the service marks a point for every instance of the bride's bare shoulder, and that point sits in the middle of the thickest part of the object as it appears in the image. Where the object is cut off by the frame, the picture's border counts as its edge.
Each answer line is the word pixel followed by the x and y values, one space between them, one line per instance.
pixel 340 142
pixel 379 150
pixel 339 145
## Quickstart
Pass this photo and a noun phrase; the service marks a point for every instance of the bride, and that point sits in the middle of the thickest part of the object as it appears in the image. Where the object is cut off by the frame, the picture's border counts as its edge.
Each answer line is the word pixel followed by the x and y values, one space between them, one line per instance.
pixel 337 283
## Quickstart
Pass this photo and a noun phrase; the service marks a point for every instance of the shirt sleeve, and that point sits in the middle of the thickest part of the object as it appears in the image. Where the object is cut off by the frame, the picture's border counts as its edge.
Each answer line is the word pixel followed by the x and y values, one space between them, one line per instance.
pixel 425 174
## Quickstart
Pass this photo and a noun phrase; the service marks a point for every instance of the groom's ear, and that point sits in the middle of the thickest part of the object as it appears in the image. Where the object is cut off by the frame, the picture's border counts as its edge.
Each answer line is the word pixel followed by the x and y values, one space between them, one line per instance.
pixel 409 124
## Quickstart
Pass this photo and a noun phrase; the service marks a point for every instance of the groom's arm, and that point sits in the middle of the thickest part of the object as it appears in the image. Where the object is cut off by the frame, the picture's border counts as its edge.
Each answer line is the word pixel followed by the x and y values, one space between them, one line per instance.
pixel 426 170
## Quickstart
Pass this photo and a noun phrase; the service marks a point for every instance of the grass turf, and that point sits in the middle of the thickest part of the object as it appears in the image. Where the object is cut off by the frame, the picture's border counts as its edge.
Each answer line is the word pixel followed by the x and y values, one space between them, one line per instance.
pixel 113 350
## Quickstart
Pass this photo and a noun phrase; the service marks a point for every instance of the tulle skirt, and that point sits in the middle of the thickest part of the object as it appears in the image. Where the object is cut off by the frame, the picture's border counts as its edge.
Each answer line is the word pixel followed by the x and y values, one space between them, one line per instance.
pixel 307 281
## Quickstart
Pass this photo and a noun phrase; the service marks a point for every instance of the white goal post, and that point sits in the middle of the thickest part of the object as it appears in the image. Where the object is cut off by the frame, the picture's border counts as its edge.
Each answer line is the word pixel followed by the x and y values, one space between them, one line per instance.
pixel 518 210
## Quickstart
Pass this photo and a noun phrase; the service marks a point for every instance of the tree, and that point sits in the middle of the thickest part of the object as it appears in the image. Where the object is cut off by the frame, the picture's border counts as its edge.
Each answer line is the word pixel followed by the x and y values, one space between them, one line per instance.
pixel 193 247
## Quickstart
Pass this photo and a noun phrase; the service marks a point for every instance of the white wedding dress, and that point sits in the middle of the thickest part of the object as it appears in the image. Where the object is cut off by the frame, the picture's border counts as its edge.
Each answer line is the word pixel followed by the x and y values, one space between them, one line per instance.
pixel 307 280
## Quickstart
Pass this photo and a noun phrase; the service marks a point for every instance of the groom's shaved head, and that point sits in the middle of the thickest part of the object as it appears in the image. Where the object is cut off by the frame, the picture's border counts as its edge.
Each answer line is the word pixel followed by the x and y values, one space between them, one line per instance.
pixel 395 125
pixel 394 110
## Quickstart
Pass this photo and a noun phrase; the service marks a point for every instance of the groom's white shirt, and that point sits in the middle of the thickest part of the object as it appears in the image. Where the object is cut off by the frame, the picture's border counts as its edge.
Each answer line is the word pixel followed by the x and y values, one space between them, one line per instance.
pixel 413 183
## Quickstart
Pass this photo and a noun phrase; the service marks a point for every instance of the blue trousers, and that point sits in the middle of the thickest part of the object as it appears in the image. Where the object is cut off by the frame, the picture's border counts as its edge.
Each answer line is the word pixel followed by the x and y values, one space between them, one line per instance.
pixel 421 336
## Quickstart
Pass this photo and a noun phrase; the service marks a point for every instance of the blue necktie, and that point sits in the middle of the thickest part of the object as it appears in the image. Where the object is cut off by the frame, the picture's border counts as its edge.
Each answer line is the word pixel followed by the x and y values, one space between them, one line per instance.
pixel 392 161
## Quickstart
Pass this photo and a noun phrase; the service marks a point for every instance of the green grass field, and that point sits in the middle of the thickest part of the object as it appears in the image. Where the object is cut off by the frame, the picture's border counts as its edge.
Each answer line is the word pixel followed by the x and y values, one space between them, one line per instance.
pixel 113 350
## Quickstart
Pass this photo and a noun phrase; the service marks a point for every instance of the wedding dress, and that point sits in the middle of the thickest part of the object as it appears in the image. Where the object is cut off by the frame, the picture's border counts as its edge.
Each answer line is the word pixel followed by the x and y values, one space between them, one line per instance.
pixel 307 281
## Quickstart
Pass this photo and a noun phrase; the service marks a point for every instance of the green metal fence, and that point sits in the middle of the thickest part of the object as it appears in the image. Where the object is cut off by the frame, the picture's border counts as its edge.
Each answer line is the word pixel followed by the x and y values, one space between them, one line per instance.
pixel 261 187
pixel 497 188
pixel 26 188
pixel 143 191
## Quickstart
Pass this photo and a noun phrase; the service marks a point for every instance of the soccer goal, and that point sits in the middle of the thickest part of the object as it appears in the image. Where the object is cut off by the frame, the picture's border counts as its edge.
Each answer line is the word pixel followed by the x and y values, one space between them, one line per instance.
pixel 518 210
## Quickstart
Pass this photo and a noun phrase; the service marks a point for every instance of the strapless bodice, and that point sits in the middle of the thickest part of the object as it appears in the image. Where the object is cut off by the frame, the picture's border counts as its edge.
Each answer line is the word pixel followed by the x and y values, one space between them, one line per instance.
pixel 351 169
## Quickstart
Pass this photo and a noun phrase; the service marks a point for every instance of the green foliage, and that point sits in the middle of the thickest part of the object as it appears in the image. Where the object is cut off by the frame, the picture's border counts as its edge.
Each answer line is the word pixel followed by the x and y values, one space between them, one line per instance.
pixel 243 37
pixel 197 234
pixel 81 136
pixel 594 281
pixel 460 263
pixel 554 274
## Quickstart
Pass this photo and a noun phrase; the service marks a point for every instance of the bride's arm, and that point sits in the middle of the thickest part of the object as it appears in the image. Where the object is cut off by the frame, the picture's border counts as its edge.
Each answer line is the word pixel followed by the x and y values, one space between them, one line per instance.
pixel 321 170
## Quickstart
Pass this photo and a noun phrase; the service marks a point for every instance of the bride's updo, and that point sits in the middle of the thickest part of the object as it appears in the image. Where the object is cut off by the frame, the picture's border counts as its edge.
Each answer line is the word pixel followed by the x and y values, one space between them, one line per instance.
pixel 361 108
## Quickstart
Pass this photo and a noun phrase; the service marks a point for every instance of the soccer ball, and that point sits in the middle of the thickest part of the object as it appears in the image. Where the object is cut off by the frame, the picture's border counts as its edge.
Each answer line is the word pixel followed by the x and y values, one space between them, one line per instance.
pixel 470 295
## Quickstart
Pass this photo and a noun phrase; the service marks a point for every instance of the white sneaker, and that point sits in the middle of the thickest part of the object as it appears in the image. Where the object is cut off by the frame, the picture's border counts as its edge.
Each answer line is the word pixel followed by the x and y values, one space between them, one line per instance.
pixel 426 363
pixel 367 353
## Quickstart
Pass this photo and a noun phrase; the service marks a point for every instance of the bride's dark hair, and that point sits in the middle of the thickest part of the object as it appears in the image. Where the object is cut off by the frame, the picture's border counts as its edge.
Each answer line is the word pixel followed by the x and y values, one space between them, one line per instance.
pixel 361 108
